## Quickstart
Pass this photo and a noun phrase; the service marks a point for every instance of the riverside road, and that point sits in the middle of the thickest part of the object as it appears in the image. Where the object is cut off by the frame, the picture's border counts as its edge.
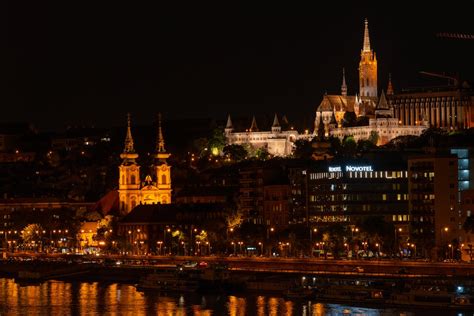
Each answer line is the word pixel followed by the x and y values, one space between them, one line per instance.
pixel 283 265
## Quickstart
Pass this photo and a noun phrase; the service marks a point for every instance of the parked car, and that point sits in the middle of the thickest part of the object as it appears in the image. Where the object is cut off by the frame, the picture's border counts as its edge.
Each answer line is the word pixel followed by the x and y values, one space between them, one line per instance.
pixel 189 264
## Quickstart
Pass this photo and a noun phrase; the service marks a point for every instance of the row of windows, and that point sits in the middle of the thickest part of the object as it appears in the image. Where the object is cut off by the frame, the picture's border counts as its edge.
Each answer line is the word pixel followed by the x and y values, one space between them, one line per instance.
pixel 359 174
pixel 359 197
pixel 400 218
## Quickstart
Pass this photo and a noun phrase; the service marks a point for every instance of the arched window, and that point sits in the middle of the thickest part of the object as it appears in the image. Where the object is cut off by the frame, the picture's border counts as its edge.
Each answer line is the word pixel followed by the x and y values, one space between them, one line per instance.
pixel 163 179
pixel 367 82
pixel 132 179
pixel 123 179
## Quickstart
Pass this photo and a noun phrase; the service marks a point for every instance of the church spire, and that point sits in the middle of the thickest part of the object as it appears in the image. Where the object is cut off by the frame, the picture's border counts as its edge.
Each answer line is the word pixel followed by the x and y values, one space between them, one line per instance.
pixel 229 127
pixel 229 122
pixel 276 128
pixel 276 123
pixel 128 154
pixel 390 87
pixel 129 149
pixel 344 86
pixel 253 126
pixel 366 37
pixel 160 152
pixel 160 141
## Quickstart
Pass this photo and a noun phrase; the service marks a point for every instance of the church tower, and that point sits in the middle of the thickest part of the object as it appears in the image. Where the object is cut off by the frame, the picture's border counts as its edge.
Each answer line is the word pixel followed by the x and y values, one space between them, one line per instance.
pixel 344 85
pixel 367 68
pixel 129 174
pixel 162 169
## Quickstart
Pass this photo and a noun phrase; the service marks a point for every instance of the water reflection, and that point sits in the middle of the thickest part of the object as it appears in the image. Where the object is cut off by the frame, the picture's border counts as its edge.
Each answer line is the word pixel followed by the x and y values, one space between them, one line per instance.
pixel 64 298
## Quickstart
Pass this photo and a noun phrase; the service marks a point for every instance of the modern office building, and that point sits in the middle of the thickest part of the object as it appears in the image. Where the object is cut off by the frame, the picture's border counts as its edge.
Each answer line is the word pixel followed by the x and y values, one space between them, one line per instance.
pixel 433 202
pixel 348 191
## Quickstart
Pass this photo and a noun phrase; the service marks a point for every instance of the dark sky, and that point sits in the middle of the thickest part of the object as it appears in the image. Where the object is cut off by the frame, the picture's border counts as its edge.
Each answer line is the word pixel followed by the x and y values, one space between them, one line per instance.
pixel 79 62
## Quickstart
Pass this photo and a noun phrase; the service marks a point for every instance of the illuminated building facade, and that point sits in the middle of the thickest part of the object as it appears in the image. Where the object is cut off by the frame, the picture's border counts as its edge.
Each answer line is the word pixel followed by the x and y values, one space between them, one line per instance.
pixel 348 191
pixel 444 107
pixel 132 191
pixel 382 119
pixel 277 142
pixel 380 114
pixel 433 190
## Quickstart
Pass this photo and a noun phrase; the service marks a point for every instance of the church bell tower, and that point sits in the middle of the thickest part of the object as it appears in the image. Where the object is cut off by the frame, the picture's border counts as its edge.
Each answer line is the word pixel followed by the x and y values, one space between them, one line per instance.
pixel 129 174
pixel 367 68
pixel 162 169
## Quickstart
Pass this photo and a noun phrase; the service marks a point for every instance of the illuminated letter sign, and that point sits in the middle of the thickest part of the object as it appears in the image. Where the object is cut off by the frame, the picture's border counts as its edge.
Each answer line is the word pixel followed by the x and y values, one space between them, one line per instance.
pixel 359 168
pixel 335 169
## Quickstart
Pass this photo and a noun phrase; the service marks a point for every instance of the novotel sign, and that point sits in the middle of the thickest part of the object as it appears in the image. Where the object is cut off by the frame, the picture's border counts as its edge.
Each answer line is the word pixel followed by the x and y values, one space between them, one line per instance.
pixel 350 168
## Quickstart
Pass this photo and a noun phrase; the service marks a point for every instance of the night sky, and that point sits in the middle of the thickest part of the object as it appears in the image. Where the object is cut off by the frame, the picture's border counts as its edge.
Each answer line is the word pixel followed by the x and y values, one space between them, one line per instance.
pixel 84 63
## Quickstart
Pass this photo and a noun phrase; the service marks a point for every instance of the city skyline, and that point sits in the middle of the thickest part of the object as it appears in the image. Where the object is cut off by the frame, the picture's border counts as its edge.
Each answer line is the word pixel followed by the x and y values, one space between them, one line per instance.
pixel 92 66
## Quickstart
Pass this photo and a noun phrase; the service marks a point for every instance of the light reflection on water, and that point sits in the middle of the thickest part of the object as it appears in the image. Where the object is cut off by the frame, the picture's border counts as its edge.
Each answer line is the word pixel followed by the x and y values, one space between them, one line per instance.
pixel 64 298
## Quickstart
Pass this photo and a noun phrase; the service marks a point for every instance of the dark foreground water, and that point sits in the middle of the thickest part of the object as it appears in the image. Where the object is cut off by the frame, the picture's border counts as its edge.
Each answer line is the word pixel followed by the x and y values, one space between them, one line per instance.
pixel 82 298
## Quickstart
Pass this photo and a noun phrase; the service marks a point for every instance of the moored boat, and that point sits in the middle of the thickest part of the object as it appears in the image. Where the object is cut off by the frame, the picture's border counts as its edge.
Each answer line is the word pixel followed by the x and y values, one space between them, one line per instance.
pixel 167 282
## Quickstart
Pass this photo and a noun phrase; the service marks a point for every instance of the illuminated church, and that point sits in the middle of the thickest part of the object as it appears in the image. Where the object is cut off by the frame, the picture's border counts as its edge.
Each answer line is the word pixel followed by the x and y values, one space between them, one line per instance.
pixel 378 112
pixel 156 188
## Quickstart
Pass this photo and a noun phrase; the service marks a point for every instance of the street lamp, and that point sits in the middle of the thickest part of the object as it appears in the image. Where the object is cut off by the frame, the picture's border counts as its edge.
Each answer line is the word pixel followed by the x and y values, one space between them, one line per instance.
pixel 269 229
pixel 198 243
pixel 261 247
pixel 414 249
pixel 378 247
pixel 452 250
pixel 233 244
pixel 311 231
pixel 208 248
pixel 191 240
pixel 397 244
pixel 354 229
pixel 240 246
pixel 159 244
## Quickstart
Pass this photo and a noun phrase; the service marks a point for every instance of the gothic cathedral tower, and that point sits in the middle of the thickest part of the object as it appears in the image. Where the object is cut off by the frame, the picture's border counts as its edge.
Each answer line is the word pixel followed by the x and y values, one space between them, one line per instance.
pixel 129 175
pixel 367 68
pixel 162 169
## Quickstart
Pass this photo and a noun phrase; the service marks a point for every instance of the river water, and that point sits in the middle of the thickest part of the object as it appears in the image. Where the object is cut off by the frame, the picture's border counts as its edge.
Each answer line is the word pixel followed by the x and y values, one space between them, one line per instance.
pixel 93 298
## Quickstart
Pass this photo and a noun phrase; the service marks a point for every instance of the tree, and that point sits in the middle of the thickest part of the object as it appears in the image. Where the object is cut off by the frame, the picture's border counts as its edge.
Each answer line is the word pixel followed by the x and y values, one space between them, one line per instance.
pixel 199 145
pixel 365 145
pixel 216 142
pixel 235 152
pixel 377 227
pixel 333 237
pixel 336 146
pixel 303 149
pixel 32 233
pixel 349 146
pixel 234 219
pixel 374 137
pixel 262 154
